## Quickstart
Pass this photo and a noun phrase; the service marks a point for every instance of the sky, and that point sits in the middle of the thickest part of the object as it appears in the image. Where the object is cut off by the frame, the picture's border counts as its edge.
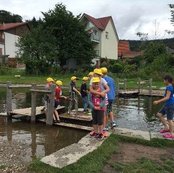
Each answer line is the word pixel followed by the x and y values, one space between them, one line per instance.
pixel 130 16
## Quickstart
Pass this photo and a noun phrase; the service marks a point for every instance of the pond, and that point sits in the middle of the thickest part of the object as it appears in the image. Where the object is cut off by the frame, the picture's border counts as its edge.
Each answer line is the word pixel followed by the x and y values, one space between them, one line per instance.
pixel 134 113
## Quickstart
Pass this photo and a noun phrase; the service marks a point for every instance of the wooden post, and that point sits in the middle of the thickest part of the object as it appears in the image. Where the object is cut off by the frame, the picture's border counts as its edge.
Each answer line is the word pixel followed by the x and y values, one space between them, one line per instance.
pixel 33 104
pixel 150 86
pixel 125 84
pixel 139 85
pixel 9 100
pixel 50 106
pixel 118 86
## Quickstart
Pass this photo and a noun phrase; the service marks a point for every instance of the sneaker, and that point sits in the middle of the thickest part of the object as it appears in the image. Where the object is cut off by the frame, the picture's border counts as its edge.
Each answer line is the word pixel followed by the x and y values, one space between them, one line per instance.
pixel 93 134
pixel 164 130
pixel 168 136
pixel 113 124
pixel 100 136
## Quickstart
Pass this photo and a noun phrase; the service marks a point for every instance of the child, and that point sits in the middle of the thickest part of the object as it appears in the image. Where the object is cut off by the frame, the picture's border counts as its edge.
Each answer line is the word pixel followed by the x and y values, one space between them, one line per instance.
pixel 84 94
pixel 167 109
pixel 97 103
pixel 111 98
pixel 73 94
pixel 58 96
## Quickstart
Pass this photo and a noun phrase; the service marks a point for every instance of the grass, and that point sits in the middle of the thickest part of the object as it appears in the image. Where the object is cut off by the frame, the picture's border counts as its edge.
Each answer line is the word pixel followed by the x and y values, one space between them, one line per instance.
pixel 131 83
pixel 145 165
pixel 95 161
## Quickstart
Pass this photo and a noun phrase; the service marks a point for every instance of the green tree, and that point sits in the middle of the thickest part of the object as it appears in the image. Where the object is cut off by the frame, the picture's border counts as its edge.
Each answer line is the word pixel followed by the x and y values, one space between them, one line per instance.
pixel 7 17
pixel 153 50
pixel 59 37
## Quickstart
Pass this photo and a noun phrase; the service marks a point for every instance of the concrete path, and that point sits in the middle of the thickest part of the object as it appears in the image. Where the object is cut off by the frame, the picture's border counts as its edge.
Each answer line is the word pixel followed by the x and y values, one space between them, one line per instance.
pixel 72 153
pixel 147 135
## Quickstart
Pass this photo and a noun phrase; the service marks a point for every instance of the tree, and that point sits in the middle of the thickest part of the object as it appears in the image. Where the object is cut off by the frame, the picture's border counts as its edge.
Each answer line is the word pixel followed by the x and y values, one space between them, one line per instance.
pixel 59 37
pixel 7 17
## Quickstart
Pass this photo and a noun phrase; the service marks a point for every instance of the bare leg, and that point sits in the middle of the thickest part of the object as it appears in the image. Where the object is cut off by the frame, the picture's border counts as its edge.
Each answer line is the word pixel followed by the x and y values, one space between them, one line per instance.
pixel 95 128
pixel 100 129
pixel 164 122
pixel 56 115
pixel 105 121
pixel 170 122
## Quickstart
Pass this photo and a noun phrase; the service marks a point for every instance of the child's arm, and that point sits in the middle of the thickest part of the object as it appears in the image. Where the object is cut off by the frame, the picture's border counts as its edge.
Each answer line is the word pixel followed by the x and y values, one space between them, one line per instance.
pixel 168 93
pixel 78 92
pixel 90 101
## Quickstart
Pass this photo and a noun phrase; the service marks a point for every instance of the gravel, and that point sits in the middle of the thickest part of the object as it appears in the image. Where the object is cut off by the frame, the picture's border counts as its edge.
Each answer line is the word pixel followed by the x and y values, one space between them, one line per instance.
pixel 12 157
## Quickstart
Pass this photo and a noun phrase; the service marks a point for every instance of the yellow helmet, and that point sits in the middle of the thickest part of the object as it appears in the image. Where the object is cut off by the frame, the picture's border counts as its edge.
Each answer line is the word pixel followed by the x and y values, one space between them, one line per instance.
pixel 95 79
pixel 98 71
pixel 49 79
pixel 85 78
pixel 59 82
pixel 104 70
pixel 91 74
pixel 73 78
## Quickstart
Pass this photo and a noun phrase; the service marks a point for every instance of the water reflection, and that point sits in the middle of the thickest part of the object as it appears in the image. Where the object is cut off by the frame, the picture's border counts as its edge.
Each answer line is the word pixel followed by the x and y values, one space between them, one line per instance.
pixel 41 139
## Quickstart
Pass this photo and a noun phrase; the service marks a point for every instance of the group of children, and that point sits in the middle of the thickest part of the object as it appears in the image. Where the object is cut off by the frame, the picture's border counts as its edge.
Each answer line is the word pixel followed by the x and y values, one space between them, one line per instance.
pixel 100 95
pixel 97 98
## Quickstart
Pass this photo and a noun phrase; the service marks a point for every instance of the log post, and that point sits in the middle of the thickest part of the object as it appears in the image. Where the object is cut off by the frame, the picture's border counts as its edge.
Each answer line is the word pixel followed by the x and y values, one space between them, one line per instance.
pixel 9 100
pixel 150 86
pixel 50 106
pixel 118 86
pixel 125 84
pixel 33 104
pixel 139 85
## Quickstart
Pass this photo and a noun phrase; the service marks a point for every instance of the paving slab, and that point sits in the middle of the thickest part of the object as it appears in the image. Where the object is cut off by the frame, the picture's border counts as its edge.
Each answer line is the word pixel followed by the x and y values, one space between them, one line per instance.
pixel 72 153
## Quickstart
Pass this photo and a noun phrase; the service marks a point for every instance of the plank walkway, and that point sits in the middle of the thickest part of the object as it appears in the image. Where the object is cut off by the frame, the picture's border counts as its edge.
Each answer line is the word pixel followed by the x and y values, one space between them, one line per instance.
pixel 27 111
pixel 70 125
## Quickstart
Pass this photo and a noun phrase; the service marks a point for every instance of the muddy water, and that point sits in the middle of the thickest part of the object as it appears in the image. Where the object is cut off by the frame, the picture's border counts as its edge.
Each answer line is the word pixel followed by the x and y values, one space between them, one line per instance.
pixel 133 113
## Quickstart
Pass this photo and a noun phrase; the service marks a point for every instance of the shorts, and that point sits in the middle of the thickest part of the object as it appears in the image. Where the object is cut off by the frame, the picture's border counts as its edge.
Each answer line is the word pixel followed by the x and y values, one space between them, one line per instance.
pixel 168 110
pixel 97 117
pixel 56 103
pixel 109 106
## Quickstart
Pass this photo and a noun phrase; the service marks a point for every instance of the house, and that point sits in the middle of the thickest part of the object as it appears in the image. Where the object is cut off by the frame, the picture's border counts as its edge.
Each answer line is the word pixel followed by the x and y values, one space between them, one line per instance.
pixel 124 51
pixel 9 35
pixel 103 34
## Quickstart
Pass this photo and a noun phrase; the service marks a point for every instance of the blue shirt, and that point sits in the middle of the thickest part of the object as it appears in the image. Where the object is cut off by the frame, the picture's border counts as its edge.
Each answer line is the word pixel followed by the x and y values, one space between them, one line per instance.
pixel 171 99
pixel 111 84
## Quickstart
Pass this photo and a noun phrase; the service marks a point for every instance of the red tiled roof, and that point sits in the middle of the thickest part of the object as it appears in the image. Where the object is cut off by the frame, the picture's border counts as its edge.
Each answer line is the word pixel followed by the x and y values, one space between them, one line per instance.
pixel 125 52
pixel 8 26
pixel 100 23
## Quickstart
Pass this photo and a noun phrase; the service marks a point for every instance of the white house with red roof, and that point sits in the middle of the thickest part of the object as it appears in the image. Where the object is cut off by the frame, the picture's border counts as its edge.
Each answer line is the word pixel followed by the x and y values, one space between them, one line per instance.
pixel 103 34
pixel 9 35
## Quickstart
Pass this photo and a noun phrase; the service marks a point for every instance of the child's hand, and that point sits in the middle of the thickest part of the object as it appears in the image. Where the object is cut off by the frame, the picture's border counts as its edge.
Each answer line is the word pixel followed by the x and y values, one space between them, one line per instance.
pixel 97 107
pixel 155 102
pixel 103 94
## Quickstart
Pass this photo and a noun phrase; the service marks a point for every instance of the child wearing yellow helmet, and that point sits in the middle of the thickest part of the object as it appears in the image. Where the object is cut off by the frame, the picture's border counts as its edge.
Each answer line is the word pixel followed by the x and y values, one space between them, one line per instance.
pixel 97 103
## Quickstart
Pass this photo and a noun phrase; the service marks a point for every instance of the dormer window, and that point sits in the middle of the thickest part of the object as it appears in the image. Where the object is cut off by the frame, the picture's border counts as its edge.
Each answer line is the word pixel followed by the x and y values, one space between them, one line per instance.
pixel 107 35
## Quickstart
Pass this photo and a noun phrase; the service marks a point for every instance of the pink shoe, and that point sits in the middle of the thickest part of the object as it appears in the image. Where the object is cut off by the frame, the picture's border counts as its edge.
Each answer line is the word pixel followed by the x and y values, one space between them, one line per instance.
pixel 164 130
pixel 168 136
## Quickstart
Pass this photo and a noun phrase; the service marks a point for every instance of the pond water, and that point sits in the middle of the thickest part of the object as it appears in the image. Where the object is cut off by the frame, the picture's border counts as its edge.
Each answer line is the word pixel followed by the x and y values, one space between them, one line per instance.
pixel 134 113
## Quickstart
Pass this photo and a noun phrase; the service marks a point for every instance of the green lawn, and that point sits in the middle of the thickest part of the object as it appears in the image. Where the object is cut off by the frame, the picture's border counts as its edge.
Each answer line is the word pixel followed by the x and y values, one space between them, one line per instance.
pixel 131 83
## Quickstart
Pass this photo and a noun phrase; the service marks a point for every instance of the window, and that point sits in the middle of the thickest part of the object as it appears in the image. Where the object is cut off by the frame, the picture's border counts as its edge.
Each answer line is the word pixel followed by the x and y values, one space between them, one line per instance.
pixel 107 35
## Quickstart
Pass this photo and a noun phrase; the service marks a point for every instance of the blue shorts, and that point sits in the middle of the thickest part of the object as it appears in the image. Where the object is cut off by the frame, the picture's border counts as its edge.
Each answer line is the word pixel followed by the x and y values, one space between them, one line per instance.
pixel 168 110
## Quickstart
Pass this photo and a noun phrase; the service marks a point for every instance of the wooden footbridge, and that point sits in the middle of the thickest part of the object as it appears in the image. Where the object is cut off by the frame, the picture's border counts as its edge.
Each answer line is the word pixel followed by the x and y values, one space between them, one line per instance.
pixel 80 121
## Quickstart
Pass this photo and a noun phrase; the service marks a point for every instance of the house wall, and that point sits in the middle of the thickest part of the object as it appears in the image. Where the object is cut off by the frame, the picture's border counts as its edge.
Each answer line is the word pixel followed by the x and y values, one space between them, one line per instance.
pixel 10 44
pixel 1 49
pixel 109 46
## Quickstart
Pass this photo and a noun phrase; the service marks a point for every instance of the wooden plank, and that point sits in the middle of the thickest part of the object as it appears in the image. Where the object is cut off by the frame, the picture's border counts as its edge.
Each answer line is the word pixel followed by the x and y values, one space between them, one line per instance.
pixel 69 125
pixel 41 91
pixel 87 118
pixel 27 111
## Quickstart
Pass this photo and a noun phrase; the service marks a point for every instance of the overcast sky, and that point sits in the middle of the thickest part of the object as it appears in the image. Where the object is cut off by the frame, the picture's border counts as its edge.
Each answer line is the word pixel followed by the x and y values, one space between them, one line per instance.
pixel 130 16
